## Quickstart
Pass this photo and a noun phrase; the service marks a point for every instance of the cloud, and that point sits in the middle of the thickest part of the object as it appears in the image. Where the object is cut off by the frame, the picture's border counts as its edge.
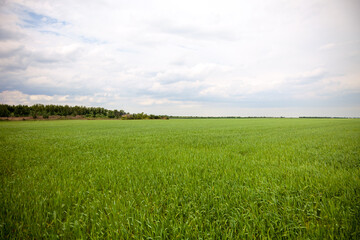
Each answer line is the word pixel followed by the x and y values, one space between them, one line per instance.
pixel 180 56
pixel 17 97
pixel 327 46
pixel 8 34
pixel 309 77
pixel 14 97
pixel 41 98
pixel 193 32
pixel 150 101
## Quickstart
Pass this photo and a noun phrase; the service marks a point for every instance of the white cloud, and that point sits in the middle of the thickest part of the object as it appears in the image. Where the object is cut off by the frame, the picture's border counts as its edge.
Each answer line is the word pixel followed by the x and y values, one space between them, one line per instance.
pixel 317 72
pixel 327 46
pixel 160 54
pixel 14 97
pixel 40 98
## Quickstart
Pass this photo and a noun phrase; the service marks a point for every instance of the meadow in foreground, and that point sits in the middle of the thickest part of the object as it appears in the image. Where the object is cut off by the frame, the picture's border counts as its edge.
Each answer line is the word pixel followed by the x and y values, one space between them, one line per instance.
pixel 181 179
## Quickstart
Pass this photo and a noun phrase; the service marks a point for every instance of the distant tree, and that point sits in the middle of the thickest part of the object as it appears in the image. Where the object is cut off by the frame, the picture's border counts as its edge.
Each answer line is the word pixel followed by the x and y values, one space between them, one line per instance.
pixel 18 111
pixel 49 110
pixel 4 111
pixel 34 114
pixel 111 114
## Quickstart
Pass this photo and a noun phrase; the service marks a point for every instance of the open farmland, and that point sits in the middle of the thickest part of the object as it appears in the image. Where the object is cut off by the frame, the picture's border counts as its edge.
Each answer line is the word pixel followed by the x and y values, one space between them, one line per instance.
pixel 210 179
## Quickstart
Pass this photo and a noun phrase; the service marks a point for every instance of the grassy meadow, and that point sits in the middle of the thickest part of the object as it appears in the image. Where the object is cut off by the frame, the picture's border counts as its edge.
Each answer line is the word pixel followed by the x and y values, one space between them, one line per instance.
pixel 180 179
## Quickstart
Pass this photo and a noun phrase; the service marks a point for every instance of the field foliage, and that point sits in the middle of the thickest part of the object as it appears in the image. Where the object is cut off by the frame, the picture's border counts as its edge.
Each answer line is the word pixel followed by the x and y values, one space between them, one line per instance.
pixel 180 179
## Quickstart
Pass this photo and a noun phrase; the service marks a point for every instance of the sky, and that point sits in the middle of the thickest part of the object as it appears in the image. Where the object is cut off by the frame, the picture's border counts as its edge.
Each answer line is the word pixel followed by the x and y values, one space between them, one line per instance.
pixel 198 58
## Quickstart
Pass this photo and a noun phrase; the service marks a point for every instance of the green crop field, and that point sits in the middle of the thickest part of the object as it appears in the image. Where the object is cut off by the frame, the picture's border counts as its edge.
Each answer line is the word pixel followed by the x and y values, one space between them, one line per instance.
pixel 180 179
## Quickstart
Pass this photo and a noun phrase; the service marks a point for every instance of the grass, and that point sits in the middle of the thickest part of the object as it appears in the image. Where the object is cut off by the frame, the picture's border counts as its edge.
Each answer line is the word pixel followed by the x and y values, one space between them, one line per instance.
pixel 181 179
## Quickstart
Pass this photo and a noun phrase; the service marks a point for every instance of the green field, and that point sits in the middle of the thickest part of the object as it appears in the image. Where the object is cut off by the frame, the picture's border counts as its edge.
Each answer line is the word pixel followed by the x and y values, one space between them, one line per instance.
pixel 180 179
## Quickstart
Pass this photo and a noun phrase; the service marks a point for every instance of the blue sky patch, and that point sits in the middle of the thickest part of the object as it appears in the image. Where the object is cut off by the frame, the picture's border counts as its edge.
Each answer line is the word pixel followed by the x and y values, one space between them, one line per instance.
pixel 34 20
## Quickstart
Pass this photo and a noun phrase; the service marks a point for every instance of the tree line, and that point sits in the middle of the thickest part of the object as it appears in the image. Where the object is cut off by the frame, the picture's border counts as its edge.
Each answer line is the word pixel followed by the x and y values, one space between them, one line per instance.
pixel 59 110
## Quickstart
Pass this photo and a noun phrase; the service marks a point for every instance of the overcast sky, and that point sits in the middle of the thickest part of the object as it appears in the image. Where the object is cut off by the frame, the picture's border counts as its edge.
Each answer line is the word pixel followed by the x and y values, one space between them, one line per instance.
pixel 206 58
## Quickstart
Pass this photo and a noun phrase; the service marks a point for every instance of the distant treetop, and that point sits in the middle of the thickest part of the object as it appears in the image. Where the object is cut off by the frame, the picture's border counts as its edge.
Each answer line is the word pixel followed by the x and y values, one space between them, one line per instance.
pixel 59 110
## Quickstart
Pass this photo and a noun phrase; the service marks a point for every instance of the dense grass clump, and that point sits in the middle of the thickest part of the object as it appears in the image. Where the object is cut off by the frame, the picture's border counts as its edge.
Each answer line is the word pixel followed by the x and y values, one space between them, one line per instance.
pixel 181 179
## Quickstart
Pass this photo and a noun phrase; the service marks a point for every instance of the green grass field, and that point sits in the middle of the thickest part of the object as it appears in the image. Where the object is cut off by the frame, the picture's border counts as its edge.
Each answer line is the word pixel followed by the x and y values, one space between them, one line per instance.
pixel 181 179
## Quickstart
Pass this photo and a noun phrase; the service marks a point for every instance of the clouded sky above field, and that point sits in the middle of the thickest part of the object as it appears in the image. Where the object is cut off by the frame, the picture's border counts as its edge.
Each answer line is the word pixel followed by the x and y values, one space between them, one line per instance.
pixel 214 58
